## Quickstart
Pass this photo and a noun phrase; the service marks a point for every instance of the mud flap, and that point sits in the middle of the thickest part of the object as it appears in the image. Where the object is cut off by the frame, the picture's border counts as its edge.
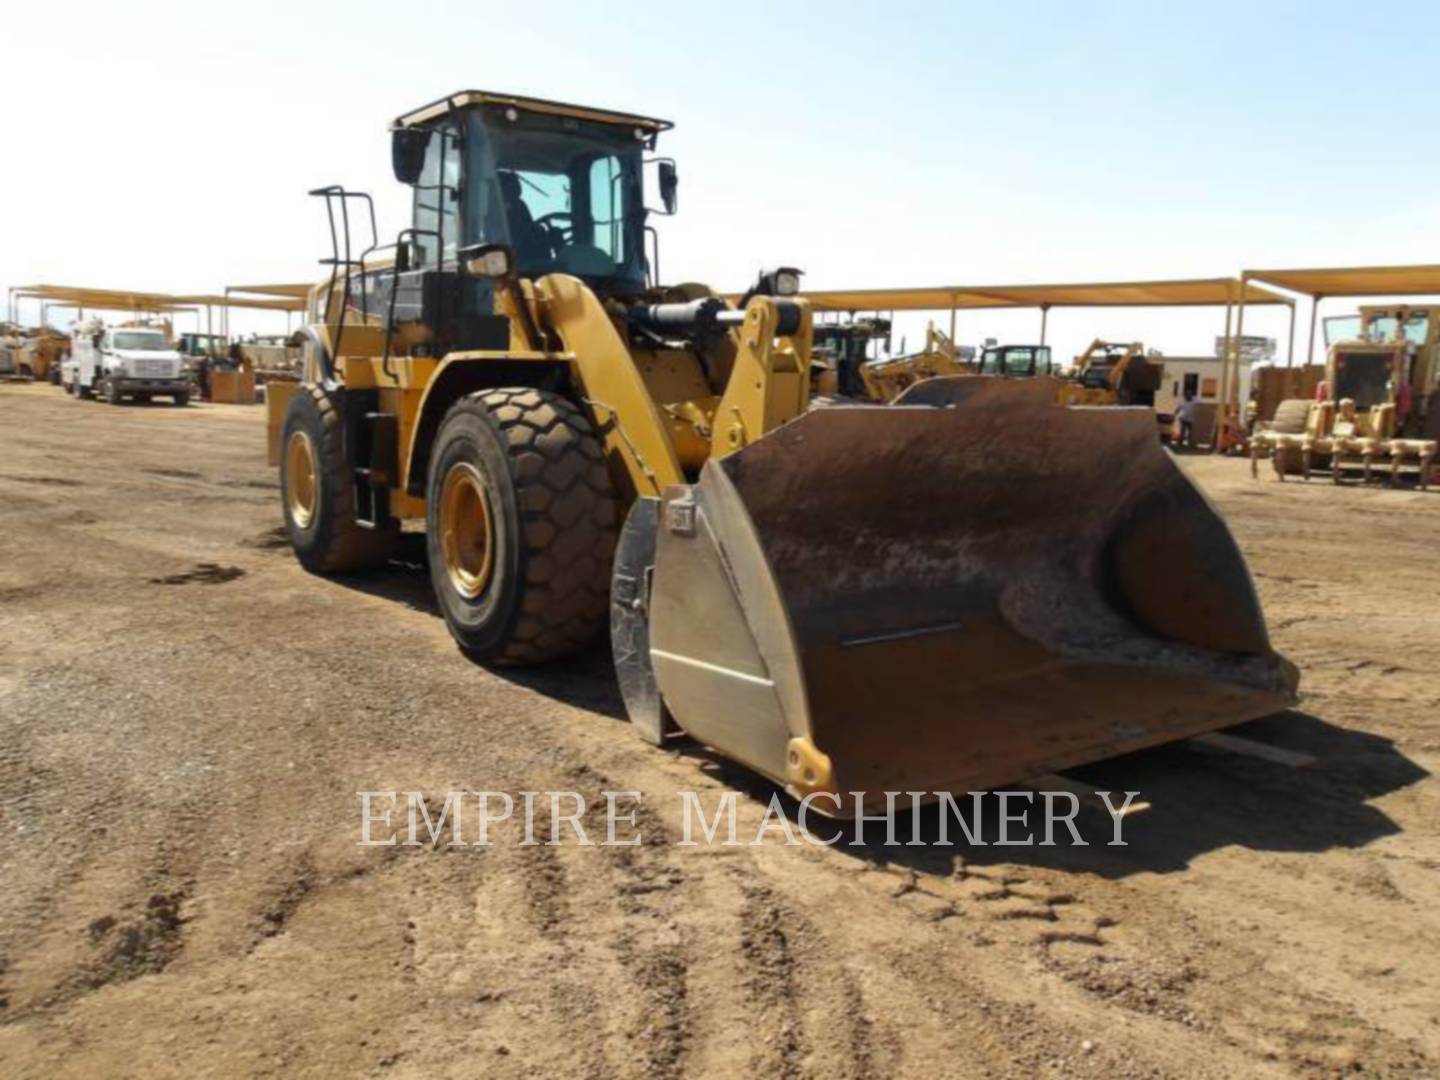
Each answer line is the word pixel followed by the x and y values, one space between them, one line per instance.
pixel 947 598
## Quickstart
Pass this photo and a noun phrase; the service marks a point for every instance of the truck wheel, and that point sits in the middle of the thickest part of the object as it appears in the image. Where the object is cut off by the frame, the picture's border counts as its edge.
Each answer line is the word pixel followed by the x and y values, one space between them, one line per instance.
pixel 111 392
pixel 317 491
pixel 83 391
pixel 181 399
pixel 520 526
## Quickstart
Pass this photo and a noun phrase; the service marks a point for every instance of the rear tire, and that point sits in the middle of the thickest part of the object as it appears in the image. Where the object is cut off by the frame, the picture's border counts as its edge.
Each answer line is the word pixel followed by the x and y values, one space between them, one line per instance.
pixel 520 526
pixel 318 499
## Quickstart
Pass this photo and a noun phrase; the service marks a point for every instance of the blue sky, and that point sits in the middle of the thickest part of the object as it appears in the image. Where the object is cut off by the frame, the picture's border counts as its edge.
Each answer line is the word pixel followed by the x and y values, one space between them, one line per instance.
pixel 871 144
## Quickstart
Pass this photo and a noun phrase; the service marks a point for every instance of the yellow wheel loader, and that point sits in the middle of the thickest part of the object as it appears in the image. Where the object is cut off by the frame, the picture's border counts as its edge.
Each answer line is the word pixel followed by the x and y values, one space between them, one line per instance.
pixel 931 595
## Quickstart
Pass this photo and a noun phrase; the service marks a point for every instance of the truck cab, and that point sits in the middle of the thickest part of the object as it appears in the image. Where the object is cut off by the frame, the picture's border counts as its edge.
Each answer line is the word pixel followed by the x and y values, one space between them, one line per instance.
pixel 122 362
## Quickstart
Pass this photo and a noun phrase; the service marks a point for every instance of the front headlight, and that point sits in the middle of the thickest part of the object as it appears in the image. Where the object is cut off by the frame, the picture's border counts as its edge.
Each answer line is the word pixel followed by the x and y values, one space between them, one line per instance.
pixel 787 282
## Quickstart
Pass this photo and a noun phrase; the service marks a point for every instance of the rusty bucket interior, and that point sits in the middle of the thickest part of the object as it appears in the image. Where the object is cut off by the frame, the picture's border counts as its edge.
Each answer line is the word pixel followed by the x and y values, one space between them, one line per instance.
pixel 951 596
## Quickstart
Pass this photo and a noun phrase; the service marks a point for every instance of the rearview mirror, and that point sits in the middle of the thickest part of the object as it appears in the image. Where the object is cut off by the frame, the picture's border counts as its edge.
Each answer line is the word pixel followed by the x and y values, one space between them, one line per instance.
pixel 407 152
pixel 493 261
pixel 669 183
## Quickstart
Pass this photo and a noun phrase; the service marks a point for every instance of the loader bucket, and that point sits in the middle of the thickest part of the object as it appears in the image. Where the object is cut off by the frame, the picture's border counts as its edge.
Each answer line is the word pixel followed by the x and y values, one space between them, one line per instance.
pixel 947 598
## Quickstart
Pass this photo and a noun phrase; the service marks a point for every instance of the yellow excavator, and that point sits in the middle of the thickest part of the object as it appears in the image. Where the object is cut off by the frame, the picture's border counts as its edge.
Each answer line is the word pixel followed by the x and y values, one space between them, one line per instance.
pixel 887 378
pixel 930 595
pixel 1114 373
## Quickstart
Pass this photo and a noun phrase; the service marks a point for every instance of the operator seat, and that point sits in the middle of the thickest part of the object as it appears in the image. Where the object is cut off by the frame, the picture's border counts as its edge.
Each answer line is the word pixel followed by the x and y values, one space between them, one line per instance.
pixel 531 242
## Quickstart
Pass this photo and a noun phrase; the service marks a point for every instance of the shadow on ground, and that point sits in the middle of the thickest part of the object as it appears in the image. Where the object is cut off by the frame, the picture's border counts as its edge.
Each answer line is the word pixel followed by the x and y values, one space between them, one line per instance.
pixel 405 579
pixel 1200 799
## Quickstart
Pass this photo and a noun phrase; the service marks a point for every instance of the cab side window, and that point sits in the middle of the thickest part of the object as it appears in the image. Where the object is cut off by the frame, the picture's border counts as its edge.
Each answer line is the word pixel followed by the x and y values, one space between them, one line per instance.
pixel 606 207
pixel 437 198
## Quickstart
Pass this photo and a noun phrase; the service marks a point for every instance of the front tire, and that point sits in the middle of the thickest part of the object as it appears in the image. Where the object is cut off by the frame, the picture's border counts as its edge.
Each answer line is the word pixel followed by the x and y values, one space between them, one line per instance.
pixel 111 392
pixel 181 399
pixel 520 526
pixel 317 491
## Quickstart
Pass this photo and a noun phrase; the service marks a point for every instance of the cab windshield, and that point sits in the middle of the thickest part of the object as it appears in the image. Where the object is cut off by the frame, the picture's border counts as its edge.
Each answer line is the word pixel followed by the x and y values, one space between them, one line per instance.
pixel 139 340
pixel 1382 328
pixel 565 193
pixel 1342 328
pixel 1016 361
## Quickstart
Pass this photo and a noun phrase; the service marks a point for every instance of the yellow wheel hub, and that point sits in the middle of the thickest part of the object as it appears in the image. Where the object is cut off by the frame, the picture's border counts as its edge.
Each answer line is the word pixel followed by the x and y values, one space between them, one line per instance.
pixel 465 530
pixel 301 489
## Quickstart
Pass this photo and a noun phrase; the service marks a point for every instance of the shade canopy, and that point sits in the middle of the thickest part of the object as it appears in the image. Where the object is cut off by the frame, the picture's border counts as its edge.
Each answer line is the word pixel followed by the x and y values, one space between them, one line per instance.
pixel 126 300
pixel 1188 292
pixel 100 299
pixel 299 291
pixel 1355 280
pixel 258 303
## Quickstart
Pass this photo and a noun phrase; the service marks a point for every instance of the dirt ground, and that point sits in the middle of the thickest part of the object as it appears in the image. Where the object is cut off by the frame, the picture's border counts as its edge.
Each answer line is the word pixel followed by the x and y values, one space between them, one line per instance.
pixel 186 717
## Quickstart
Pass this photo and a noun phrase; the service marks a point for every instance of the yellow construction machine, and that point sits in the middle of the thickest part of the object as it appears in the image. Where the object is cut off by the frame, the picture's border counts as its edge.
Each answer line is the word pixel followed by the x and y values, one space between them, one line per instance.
pixel 1388 355
pixel 32 354
pixel 931 595
pixel 886 379
pixel 1113 373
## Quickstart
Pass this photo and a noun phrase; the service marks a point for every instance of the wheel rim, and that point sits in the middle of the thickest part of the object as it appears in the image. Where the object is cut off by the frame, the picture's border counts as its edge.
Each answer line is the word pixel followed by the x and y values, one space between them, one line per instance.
pixel 300 486
pixel 465 530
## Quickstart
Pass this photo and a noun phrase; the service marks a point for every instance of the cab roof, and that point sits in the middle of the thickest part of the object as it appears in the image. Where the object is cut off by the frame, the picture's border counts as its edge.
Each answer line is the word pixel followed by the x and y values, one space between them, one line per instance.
pixel 467 98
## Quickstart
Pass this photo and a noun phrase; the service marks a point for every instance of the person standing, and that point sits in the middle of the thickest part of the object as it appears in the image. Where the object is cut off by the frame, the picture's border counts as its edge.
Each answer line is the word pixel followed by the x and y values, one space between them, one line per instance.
pixel 1185 417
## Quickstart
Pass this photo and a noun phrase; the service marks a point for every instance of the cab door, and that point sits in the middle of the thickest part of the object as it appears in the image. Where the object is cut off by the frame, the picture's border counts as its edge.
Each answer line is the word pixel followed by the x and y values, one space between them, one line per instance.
pixel 100 359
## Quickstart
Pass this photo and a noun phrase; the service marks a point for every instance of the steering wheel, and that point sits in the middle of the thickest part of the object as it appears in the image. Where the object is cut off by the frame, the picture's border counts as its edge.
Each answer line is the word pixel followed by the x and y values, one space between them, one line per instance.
pixel 559 229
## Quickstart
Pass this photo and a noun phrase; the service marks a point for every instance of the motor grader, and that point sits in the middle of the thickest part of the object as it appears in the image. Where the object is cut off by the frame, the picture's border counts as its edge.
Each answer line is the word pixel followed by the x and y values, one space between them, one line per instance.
pixel 920 596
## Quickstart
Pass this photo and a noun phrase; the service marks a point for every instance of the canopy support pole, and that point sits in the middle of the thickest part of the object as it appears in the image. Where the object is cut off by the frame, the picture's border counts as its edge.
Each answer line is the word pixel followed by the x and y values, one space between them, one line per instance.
pixel 1230 366
pixel 1237 357
pixel 1290 353
pixel 1314 313
pixel 952 323
pixel 1044 319
pixel 1224 371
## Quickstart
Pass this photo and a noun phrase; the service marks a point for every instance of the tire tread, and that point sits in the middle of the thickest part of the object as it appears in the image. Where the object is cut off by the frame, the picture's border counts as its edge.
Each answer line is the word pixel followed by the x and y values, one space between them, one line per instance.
pixel 568 527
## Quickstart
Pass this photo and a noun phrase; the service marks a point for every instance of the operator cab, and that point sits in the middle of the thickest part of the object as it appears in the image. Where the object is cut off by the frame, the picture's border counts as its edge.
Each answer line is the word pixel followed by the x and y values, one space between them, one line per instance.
pixel 561 185
pixel 1017 361
pixel 1096 372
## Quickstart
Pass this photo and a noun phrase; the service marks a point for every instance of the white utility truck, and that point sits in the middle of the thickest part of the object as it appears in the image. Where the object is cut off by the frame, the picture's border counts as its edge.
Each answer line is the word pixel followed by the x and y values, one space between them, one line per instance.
pixel 116 362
